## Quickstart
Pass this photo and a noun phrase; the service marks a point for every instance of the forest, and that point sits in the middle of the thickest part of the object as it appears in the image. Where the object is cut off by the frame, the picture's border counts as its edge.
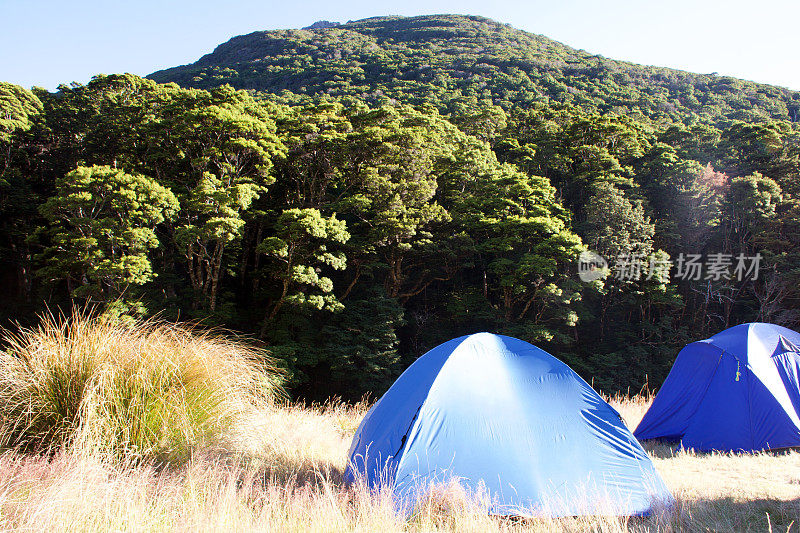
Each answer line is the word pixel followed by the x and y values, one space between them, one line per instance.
pixel 351 196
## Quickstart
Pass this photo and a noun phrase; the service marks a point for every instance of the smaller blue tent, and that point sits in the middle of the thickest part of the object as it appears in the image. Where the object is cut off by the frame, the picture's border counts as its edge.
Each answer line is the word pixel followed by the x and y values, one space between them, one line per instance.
pixel 510 423
pixel 737 391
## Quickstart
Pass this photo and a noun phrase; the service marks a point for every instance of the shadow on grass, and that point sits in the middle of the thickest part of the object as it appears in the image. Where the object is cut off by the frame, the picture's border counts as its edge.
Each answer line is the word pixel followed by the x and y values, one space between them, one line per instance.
pixel 661 449
pixel 287 469
pixel 724 514
pixel 667 450
pixel 731 514
pixel 283 470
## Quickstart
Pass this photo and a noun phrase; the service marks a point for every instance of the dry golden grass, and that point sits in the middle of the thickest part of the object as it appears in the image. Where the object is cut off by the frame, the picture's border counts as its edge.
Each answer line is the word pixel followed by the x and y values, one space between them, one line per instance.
pixel 290 480
pixel 725 491
pixel 286 474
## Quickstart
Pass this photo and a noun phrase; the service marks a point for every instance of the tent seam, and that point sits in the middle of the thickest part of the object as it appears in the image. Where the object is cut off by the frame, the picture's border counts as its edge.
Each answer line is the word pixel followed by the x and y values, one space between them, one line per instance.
pixel 750 405
pixel 416 419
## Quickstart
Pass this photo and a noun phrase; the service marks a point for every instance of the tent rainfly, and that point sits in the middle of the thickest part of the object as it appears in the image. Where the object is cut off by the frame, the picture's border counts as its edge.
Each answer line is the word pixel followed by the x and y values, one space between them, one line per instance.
pixel 512 425
pixel 737 391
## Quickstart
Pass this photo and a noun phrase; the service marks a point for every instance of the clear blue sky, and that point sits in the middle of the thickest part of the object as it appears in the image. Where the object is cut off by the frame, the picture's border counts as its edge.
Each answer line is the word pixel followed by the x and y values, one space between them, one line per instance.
pixel 47 42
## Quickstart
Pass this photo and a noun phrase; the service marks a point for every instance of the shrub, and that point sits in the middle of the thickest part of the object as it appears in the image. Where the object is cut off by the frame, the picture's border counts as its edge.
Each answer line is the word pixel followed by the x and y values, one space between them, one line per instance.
pixel 135 390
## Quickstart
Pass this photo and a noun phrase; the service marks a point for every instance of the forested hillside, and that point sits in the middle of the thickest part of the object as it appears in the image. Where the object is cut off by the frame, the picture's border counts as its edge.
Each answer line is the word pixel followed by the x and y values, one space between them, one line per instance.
pixel 360 193
pixel 450 61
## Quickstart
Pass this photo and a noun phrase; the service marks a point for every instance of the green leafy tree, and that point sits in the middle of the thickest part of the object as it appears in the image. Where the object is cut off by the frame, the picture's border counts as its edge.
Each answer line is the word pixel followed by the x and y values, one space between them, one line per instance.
pixel 749 212
pixel 751 202
pixel 102 224
pixel 765 147
pixel 395 181
pixel 521 233
pixel 228 142
pixel 481 119
pixel 617 225
pixel 304 242
pixel 632 311
pixel 20 112
pixel 18 108
pixel 360 345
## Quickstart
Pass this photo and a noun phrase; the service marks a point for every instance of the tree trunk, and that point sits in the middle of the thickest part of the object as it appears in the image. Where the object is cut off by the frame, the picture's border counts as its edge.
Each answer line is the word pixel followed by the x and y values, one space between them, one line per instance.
pixel 216 274
pixel 274 311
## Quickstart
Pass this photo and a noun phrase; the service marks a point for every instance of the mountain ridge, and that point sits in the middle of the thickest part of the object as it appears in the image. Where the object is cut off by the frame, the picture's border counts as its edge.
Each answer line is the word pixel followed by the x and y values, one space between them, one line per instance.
pixel 436 58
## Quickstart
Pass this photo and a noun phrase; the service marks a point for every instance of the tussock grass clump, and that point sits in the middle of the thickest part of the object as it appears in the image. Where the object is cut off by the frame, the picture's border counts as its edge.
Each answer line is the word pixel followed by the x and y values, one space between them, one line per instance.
pixel 136 390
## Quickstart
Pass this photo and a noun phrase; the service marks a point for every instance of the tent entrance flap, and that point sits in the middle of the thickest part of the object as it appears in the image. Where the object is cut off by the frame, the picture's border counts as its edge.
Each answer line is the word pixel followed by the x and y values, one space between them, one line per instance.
pixel 399 451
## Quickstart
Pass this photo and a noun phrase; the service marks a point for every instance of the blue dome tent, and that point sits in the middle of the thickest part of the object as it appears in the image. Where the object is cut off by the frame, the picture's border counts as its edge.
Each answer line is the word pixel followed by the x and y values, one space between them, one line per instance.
pixel 509 422
pixel 737 391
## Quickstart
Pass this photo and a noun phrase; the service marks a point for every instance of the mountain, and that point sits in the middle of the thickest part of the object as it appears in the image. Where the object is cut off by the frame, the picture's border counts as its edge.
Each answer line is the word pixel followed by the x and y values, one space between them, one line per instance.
pixel 443 59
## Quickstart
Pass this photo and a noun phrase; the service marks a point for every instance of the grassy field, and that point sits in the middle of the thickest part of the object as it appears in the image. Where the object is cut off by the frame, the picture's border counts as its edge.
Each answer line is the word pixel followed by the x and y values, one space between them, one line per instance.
pixel 287 477
pixel 281 465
